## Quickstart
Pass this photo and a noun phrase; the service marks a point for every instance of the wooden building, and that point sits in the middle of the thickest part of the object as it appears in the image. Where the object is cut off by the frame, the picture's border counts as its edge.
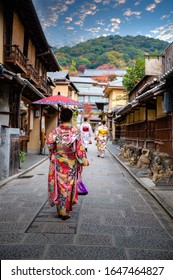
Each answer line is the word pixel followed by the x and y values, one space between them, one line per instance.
pixel 146 121
pixel 64 85
pixel 147 117
pixel 25 59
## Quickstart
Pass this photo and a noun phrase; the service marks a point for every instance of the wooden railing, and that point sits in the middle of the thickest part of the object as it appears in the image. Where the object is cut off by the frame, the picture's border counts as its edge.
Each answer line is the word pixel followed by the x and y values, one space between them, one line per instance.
pixel 14 57
pixel 43 86
pixel 31 74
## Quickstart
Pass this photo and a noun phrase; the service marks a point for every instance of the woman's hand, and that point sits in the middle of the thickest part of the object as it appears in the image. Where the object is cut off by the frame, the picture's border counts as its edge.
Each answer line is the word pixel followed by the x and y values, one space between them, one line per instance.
pixel 80 168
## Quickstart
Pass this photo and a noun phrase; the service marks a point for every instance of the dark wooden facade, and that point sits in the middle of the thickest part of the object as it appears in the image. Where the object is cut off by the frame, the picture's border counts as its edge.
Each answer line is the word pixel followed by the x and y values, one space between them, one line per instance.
pixel 25 59
pixel 147 120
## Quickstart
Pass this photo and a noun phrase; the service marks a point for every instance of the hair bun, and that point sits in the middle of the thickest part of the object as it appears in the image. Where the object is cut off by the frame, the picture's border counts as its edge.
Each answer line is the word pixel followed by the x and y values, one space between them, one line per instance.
pixel 66 114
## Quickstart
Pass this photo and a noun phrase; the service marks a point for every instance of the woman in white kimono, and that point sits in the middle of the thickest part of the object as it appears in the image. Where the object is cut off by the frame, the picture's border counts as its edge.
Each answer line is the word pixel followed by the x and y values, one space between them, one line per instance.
pixel 86 133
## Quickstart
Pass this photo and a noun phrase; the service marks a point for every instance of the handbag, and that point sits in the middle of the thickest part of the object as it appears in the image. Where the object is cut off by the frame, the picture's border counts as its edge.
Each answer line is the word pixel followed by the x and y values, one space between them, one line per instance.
pixel 82 189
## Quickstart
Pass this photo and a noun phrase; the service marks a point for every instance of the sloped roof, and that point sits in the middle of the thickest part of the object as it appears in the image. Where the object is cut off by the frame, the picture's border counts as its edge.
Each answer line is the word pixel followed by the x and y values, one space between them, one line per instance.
pixel 94 91
pixel 101 72
pixel 116 108
pixel 117 83
pixel 59 75
pixel 83 80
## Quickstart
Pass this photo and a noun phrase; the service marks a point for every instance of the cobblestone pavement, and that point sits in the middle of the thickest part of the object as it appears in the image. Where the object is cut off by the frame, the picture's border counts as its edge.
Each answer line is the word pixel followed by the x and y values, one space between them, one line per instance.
pixel 162 191
pixel 118 219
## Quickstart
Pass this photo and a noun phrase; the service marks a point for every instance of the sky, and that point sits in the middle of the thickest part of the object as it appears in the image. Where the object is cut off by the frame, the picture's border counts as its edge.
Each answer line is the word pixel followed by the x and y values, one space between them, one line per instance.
pixel 69 22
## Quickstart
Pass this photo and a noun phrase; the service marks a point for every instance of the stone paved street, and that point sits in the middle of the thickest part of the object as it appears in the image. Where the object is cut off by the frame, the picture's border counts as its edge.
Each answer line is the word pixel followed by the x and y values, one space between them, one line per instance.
pixel 118 219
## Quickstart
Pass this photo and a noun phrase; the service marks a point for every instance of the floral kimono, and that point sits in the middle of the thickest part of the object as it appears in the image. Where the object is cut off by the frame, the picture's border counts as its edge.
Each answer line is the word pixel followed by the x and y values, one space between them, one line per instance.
pixel 101 137
pixel 67 155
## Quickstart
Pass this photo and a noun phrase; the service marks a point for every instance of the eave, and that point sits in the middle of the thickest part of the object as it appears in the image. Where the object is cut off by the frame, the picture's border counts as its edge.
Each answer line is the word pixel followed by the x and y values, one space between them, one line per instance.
pixel 29 18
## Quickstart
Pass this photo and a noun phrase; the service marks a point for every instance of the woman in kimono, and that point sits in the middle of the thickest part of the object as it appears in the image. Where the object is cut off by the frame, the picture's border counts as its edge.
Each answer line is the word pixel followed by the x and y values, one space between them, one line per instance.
pixel 67 156
pixel 86 133
pixel 101 137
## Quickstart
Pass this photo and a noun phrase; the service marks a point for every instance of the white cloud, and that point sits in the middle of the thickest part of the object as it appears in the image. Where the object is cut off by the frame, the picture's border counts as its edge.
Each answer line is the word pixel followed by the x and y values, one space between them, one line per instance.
pixel 100 22
pixel 165 16
pixel 93 30
pixel 70 28
pixel 117 20
pixel 69 2
pixel 114 26
pixel 79 22
pixel 88 9
pixel 52 21
pixel 106 2
pixel 164 32
pixel 68 19
pixel 105 35
pixel 137 3
pixel 59 8
pixel 150 7
pixel 120 2
pixel 129 13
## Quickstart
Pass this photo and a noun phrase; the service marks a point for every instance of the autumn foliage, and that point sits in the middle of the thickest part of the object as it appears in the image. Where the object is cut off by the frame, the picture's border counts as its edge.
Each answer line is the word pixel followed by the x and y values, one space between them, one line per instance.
pixel 105 78
pixel 87 108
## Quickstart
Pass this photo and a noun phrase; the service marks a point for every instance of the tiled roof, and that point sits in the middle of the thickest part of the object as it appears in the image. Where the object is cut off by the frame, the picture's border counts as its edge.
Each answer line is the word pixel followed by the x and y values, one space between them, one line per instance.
pixel 117 83
pixel 168 74
pixel 101 72
pixel 116 108
pixel 125 108
pixel 59 75
pixel 91 91
pixel 83 80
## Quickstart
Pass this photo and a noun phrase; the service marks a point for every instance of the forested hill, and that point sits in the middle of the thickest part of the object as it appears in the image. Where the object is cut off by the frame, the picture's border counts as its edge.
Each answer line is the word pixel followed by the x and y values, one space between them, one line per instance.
pixel 110 51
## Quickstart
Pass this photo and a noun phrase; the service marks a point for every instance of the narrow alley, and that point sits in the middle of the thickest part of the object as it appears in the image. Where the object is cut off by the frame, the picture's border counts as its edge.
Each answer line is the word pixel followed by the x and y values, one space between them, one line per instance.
pixel 117 220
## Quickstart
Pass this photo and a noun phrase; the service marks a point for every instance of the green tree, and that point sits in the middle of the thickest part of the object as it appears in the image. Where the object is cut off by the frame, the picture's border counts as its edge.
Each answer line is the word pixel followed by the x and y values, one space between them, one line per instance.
pixel 133 74
pixel 73 66
pixel 116 50
pixel 82 61
pixel 116 58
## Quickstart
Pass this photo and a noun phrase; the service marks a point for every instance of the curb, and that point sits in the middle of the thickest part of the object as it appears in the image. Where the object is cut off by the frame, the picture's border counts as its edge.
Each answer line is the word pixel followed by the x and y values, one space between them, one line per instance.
pixel 151 191
pixel 5 181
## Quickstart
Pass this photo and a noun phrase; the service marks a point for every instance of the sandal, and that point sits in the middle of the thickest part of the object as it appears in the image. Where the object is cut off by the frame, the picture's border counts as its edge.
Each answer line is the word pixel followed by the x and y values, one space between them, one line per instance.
pixel 65 218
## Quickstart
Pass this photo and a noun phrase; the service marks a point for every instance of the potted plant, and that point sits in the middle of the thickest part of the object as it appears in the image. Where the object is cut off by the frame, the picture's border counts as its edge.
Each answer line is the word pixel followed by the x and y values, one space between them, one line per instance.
pixel 22 156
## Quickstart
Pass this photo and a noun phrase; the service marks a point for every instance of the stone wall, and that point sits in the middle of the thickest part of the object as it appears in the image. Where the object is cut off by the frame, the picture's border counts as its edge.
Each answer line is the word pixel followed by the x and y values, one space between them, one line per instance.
pixel 159 165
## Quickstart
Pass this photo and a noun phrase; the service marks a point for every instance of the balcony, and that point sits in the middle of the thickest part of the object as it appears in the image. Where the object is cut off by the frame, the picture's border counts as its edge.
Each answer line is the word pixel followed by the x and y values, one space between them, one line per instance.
pixel 31 74
pixel 43 86
pixel 15 58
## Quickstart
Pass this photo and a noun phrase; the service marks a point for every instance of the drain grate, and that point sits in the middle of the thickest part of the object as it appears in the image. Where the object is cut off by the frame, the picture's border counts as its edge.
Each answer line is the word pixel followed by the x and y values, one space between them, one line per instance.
pixel 26 177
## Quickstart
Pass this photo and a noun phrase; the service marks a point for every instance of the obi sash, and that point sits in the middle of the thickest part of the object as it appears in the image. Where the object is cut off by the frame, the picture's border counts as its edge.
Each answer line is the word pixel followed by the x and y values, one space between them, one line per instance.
pixel 85 128
pixel 103 131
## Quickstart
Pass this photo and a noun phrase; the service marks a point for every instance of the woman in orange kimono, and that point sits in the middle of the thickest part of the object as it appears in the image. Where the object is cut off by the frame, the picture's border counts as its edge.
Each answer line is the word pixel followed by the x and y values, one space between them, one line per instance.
pixel 67 156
